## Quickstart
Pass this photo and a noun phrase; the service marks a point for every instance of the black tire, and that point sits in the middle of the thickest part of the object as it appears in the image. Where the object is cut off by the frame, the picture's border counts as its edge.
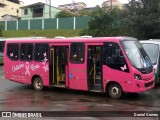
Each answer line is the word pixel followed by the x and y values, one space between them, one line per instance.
pixel 38 84
pixel 115 91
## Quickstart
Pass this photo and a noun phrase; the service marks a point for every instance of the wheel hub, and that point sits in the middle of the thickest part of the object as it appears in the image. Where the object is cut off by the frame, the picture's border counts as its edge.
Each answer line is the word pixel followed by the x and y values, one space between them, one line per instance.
pixel 115 90
pixel 38 84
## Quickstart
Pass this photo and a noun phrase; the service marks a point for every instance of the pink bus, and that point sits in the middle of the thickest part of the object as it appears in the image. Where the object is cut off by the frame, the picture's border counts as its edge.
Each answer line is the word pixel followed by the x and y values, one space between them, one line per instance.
pixel 112 65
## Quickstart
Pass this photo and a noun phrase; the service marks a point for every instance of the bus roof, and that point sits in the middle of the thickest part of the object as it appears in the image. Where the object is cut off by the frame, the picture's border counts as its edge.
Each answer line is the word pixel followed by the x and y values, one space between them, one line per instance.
pixel 20 38
pixel 68 40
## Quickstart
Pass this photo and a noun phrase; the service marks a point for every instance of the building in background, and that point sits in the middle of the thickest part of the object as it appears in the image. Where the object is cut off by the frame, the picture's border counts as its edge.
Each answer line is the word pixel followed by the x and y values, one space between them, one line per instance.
pixel 73 6
pixel 38 11
pixel 8 17
pixel 114 3
pixel 10 9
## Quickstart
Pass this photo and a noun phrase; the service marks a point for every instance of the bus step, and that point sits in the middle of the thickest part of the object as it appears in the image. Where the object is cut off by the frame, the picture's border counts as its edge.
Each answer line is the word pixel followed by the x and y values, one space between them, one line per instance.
pixel 98 77
pixel 60 86
pixel 61 82
pixel 98 81
pixel 96 91
pixel 96 87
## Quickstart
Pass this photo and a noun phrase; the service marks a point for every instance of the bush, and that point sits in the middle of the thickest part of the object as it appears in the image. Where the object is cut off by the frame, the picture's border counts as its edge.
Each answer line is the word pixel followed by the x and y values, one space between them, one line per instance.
pixel 104 23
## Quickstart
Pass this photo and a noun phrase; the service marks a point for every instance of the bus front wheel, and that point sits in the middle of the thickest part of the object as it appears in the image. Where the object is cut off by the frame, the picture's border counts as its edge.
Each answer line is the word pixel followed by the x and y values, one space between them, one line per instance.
pixel 38 84
pixel 115 91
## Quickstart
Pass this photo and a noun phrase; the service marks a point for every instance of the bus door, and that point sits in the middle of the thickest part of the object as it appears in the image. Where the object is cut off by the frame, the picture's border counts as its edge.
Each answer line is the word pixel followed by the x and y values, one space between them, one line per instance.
pixel 59 66
pixel 94 67
pixel 78 67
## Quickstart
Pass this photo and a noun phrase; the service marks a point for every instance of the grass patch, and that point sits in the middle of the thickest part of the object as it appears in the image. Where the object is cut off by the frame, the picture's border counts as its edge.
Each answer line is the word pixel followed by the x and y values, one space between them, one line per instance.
pixel 1 61
pixel 44 33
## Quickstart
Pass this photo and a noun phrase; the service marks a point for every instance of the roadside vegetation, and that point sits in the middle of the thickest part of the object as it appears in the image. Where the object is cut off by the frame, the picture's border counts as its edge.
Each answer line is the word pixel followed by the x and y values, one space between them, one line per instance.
pixel 140 19
pixel 44 33
pixel 1 61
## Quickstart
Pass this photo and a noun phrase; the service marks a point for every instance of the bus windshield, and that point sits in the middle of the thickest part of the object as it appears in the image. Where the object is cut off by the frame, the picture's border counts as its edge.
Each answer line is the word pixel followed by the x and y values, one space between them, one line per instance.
pixel 152 51
pixel 136 54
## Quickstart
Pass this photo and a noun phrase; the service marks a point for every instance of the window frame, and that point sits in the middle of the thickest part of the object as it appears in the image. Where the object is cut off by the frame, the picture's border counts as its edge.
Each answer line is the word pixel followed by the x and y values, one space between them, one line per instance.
pixel 83 53
pixel 34 58
pixel 36 12
pixel 26 11
pixel 114 65
pixel 26 52
pixel 13 50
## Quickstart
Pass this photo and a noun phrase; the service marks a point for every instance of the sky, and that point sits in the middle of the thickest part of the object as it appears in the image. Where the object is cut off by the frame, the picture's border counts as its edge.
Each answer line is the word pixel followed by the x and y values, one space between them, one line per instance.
pixel 55 3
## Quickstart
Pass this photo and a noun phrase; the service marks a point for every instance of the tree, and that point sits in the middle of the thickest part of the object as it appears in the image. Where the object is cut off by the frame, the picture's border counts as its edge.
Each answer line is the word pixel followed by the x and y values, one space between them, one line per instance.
pixel 104 23
pixel 64 13
pixel 142 18
pixel 83 12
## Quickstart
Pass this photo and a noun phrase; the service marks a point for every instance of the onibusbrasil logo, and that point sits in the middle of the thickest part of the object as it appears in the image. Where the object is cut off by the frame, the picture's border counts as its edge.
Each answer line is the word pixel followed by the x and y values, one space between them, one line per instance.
pixel 21 114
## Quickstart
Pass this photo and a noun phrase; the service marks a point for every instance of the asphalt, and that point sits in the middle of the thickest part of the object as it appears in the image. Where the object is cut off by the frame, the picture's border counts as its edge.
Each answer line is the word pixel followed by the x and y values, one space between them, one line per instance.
pixel 16 97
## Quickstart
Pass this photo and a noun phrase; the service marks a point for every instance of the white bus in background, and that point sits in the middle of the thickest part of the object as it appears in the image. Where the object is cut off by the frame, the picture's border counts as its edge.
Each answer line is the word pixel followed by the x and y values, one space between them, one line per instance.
pixel 2 43
pixel 152 48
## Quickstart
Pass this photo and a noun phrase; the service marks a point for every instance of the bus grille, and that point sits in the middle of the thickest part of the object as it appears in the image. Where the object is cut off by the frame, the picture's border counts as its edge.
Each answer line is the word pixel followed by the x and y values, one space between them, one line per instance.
pixel 149 84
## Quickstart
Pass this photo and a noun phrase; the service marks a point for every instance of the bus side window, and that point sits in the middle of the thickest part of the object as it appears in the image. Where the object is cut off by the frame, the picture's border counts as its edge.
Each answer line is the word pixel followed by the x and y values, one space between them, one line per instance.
pixel 37 53
pixel 26 52
pixel 23 51
pixel 13 51
pixel 114 58
pixel 77 52
pixel 41 52
pixel 29 53
pixel 45 51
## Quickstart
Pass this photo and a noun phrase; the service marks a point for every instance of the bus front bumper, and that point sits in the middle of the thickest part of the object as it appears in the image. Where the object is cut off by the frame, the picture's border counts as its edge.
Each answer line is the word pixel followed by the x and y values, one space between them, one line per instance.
pixel 141 85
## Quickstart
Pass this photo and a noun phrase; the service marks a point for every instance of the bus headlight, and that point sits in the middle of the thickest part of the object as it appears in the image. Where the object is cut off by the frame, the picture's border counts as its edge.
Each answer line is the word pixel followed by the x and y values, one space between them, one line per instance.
pixel 137 76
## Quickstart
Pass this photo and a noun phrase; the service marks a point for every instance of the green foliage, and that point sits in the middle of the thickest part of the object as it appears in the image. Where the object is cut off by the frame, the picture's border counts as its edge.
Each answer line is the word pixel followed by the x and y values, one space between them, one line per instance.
pixel 104 23
pixel 1 28
pixel 64 13
pixel 1 60
pixel 141 19
pixel 44 33
pixel 83 12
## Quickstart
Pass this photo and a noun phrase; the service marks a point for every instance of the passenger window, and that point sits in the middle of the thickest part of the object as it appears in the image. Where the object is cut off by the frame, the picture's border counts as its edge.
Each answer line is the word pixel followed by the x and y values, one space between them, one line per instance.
pixel 114 58
pixel 26 52
pixel 13 51
pixel 77 52
pixel 41 52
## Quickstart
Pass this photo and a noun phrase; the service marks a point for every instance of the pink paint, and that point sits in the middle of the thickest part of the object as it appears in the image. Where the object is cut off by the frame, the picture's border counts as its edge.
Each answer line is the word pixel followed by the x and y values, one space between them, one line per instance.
pixel 76 74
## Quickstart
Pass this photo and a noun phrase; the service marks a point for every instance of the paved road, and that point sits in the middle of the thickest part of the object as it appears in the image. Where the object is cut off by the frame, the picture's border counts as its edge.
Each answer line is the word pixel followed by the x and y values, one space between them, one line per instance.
pixel 20 97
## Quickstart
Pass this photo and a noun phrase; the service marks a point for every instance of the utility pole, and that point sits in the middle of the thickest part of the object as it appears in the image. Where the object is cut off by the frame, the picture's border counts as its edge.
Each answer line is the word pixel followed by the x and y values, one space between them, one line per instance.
pixel 74 4
pixel 50 9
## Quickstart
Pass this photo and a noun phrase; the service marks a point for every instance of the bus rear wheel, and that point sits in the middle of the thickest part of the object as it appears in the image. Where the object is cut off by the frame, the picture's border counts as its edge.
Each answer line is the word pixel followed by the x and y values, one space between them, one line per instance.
pixel 115 91
pixel 38 84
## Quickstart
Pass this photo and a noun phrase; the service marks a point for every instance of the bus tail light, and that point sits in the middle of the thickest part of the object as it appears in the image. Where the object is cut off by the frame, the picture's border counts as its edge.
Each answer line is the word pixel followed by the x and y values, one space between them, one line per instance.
pixel 137 76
